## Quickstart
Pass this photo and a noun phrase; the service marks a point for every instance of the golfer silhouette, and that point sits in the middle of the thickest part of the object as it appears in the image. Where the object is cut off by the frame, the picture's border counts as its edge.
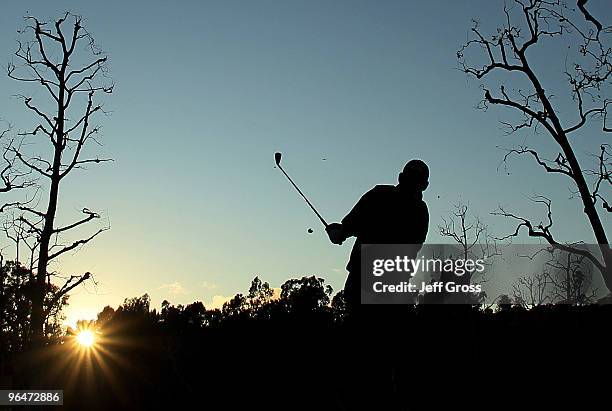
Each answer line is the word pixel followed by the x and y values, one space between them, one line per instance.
pixel 386 214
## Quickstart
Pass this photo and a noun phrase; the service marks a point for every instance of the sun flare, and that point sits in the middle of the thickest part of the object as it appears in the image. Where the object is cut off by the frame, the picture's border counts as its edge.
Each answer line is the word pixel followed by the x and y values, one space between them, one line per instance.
pixel 86 338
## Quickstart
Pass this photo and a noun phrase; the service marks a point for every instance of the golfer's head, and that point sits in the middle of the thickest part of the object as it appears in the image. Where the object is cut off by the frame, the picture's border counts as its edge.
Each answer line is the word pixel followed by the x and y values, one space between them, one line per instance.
pixel 415 175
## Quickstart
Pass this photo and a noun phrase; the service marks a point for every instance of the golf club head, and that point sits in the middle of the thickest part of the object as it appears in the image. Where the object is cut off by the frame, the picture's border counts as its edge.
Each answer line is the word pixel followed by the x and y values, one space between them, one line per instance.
pixel 277 158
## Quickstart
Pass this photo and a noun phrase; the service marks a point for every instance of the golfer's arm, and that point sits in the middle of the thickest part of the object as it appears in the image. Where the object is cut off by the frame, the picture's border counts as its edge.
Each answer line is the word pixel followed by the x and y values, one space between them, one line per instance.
pixel 424 226
pixel 352 221
pixel 347 231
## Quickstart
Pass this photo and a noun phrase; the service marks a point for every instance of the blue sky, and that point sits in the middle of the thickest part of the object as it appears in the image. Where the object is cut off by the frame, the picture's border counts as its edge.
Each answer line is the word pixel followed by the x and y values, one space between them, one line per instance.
pixel 207 91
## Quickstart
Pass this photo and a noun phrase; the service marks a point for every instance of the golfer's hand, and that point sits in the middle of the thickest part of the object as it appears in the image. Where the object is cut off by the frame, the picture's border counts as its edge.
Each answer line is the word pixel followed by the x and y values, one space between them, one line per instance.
pixel 335 233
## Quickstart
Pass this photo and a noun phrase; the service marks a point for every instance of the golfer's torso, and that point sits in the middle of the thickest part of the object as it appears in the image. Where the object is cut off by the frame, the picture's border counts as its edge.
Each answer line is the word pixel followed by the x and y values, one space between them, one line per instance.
pixel 391 218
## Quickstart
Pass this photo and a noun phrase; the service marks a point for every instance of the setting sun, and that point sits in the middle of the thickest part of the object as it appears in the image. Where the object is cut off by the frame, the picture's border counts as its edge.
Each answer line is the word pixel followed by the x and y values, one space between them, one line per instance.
pixel 86 338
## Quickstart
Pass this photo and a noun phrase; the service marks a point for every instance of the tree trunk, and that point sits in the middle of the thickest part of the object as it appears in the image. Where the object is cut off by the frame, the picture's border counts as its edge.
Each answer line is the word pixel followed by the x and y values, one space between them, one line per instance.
pixel 38 309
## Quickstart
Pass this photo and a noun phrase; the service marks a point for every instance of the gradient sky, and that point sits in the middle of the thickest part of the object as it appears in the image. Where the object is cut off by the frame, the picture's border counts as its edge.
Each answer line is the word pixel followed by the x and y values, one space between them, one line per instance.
pixel 207 91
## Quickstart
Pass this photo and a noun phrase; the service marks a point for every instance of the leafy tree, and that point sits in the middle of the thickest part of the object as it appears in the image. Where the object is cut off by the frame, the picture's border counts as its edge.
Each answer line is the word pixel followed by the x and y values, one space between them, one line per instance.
pixel 235 309
pixel 260 294
pixel 339 306
pixel 16 308
pixel 105 315
pixel 135 305
pixel 504 302
pixel 307 294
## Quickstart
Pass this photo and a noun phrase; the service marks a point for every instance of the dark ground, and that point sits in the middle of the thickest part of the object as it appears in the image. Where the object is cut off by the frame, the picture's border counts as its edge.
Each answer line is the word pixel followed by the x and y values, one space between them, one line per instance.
pixel 395 358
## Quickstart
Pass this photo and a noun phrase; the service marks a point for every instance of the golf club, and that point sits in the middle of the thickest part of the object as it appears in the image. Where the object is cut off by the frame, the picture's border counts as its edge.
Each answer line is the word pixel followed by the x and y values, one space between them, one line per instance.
pixel 277 160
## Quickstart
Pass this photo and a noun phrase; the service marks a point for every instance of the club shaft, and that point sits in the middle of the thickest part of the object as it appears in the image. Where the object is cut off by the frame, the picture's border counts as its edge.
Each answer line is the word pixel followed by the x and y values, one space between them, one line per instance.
pixel 303 196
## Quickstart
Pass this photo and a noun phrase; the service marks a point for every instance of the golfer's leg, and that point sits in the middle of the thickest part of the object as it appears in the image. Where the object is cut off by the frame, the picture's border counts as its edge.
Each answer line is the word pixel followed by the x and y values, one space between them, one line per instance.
pixel 352 294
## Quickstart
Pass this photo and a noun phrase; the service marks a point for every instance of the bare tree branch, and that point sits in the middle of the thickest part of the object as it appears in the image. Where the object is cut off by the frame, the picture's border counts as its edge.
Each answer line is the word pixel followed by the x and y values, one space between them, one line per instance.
pixel 90 216
pixel 603 175
pixel 561 163
pixel 543 230
pixel 77 244
pixel 70 284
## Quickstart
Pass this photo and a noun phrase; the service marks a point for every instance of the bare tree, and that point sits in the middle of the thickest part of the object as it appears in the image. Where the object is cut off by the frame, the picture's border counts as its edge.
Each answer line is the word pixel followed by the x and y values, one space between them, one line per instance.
pixel 571 279
pixel 62 58
pixel 472 238
pixel 566 279
pixel 23 238
pixel 508 58
pixel 531 290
